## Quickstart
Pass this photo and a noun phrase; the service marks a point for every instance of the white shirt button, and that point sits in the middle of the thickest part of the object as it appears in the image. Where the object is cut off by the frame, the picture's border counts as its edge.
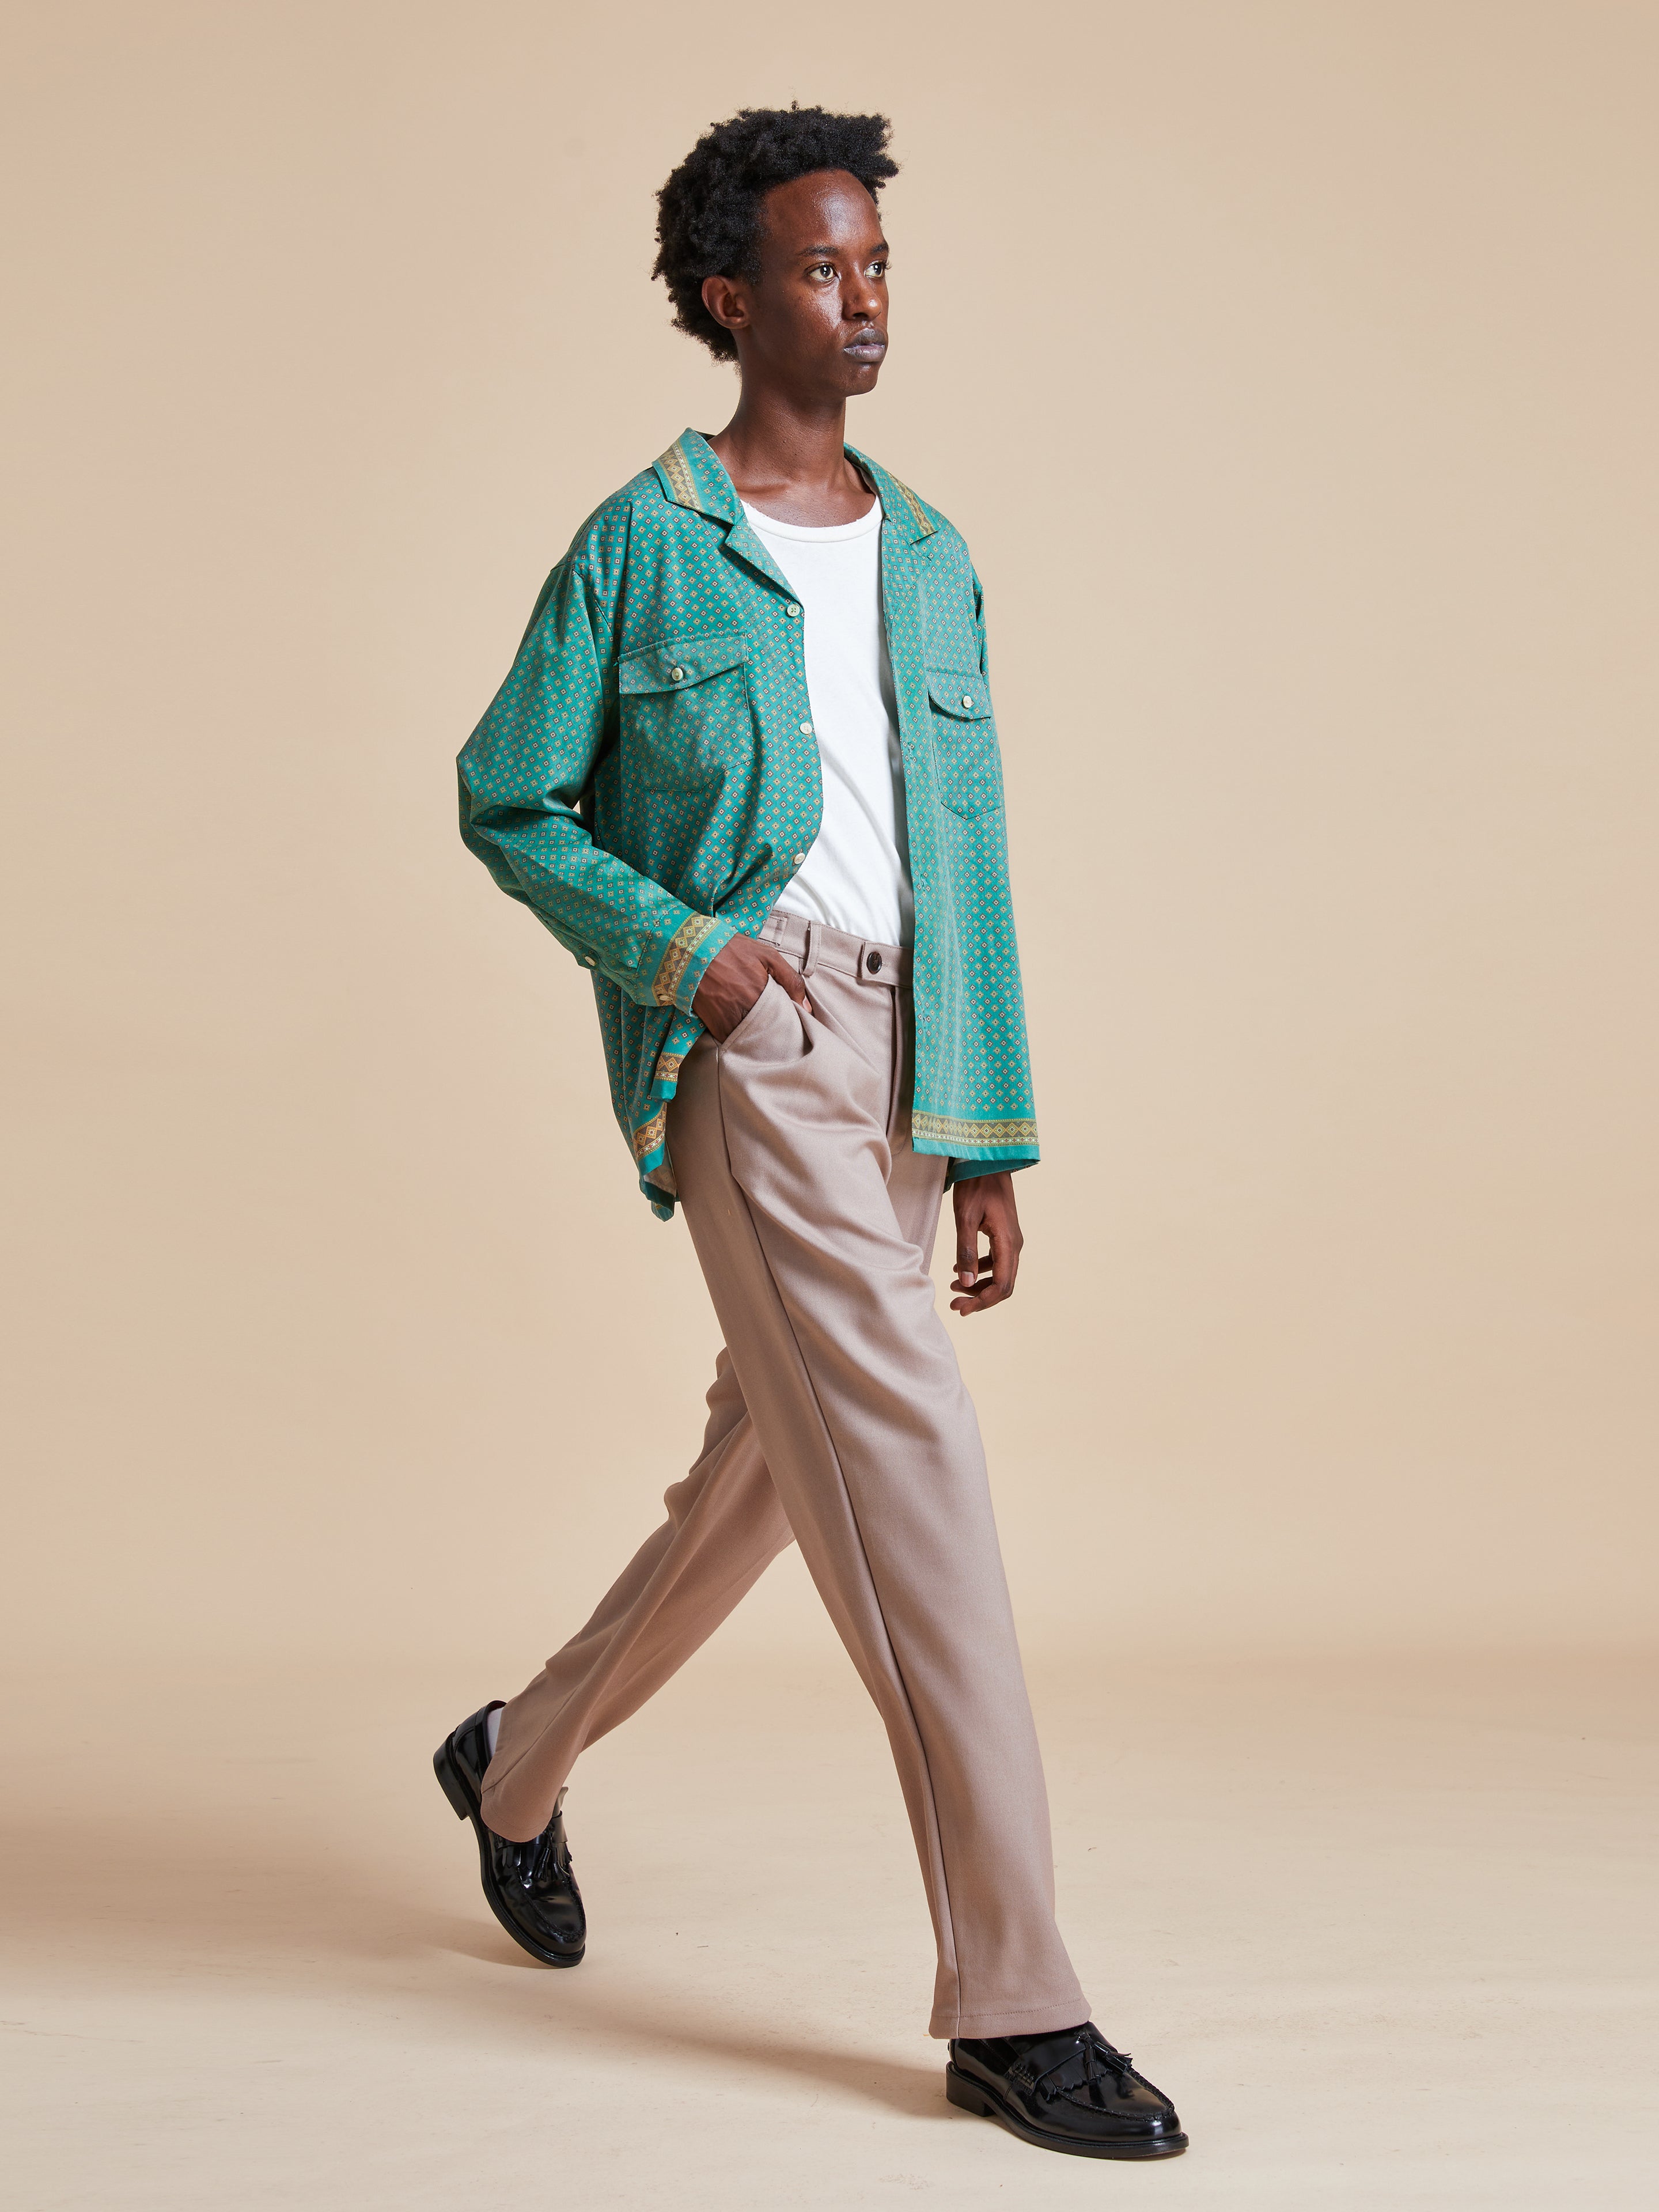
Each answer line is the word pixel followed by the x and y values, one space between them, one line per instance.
pixel 677 676
pixel 800 860
pixel 792 611
pixel 966 698
pixel 806 729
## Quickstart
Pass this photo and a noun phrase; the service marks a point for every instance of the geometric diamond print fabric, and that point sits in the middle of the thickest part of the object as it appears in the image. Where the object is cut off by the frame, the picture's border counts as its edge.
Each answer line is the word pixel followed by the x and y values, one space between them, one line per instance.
pixel 646 781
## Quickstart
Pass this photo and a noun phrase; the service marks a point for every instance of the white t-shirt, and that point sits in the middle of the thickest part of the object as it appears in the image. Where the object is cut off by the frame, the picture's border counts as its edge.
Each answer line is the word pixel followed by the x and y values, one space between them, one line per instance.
pixel 857 876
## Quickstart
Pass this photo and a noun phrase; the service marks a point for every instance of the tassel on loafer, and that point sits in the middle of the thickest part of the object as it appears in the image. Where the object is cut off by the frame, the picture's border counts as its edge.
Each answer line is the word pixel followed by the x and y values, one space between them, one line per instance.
pixel 1070 2092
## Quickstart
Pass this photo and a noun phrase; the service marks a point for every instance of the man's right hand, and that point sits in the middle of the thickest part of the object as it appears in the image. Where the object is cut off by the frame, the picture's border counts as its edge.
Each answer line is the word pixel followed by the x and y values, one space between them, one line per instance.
pixel 735 978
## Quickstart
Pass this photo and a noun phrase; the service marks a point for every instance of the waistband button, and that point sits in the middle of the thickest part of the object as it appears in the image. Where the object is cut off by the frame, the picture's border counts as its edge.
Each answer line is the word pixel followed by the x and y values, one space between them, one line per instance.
pixel 872 962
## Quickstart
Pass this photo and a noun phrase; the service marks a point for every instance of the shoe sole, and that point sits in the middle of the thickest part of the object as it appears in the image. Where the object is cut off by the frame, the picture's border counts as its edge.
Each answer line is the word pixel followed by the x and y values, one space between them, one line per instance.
pixel 452 1783
pixel 974 2097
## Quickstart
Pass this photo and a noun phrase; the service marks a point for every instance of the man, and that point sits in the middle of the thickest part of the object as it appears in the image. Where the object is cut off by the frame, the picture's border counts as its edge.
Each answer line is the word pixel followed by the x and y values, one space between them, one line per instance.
pixel 745 768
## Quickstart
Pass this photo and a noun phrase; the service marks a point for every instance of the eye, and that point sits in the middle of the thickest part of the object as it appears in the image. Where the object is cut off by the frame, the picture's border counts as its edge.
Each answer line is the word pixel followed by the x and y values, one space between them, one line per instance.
pixel 821 268
pixel 878 268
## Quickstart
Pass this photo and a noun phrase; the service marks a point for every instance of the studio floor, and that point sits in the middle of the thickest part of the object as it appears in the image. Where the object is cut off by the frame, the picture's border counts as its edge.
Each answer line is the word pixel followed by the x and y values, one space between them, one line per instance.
pixel 1384 1929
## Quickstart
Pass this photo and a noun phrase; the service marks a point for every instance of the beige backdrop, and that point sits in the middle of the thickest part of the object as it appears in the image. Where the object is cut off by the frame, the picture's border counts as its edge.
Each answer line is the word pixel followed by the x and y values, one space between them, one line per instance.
pixel 1290 369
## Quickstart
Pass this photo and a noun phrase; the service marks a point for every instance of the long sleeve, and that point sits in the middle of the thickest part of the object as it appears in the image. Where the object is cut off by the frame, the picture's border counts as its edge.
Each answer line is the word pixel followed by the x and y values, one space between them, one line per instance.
pixel 979 625
pixel 525 775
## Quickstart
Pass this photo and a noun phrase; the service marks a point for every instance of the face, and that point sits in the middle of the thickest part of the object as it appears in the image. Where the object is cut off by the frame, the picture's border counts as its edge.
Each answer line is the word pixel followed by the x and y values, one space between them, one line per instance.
pixel 816 322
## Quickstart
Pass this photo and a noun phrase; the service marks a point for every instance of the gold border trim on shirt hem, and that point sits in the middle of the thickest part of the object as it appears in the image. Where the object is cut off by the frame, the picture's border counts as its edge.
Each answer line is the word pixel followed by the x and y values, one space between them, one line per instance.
pixel 681 951
pixel 944 1129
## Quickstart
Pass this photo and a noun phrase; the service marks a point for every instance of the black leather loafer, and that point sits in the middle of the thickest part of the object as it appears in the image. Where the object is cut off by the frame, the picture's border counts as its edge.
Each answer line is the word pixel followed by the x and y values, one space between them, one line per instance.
pixel 529 1887
pixel 1071 2091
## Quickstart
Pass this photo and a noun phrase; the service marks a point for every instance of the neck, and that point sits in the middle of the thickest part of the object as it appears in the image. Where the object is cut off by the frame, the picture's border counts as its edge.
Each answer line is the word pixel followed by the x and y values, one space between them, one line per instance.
pixel 788 456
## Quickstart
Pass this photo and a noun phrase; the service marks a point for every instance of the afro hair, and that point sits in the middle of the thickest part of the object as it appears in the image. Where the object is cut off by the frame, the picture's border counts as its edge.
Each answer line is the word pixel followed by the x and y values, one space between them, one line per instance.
pixel 708 213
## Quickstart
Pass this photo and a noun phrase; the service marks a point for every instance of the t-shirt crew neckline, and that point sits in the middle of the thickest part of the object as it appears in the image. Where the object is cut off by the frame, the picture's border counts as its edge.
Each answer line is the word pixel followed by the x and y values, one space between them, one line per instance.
pixel 819 534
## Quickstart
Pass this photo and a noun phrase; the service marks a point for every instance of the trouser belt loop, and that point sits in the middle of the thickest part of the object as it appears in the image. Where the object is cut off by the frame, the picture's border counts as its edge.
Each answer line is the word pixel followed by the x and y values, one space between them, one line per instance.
pixel 896 1076
pixel 810 951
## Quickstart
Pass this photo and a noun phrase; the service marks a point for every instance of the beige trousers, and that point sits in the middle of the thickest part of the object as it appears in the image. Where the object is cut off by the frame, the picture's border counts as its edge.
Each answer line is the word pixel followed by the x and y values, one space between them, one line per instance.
pixel 838 1417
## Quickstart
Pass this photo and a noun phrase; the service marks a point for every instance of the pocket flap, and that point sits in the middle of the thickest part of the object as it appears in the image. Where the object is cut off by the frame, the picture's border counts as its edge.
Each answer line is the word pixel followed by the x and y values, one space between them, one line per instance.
pixel 961 692
pixel 681 663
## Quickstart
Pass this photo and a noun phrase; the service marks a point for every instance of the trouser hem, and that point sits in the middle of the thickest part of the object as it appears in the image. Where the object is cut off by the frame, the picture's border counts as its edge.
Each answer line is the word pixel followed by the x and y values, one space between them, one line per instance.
pixel 1012 2019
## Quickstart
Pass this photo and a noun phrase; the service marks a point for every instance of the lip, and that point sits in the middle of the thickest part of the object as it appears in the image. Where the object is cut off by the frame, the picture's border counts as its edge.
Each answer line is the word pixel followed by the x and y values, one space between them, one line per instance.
pixel 867 348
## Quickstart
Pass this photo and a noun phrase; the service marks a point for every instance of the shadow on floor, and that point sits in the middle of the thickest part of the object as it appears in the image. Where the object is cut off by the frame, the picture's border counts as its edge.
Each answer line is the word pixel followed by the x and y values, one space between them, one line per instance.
pixel 281 1915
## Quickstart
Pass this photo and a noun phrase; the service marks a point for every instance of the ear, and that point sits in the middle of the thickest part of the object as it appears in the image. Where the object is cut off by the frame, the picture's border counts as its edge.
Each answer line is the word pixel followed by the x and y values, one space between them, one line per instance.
pixel 726 299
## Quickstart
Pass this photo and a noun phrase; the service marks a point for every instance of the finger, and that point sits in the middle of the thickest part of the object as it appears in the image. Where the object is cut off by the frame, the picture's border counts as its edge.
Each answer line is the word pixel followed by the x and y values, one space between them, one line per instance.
pixel 1004 1261
pixel 994 1282
pixel 967 1254
pixel 790 977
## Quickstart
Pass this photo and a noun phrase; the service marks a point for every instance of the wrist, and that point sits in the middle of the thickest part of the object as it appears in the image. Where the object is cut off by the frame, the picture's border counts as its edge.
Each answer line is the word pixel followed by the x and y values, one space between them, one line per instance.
pixel 699 940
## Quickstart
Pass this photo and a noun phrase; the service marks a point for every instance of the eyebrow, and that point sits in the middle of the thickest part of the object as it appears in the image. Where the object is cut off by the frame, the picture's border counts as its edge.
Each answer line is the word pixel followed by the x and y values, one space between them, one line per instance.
pixel 828 252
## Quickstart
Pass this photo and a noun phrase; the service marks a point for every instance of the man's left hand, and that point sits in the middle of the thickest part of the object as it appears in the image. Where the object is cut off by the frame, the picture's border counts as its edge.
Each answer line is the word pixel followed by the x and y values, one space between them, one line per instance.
pixel 985 1207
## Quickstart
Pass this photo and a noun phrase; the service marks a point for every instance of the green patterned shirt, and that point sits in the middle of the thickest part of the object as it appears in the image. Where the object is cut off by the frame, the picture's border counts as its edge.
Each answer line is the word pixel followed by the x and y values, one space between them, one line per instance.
pixel 646 781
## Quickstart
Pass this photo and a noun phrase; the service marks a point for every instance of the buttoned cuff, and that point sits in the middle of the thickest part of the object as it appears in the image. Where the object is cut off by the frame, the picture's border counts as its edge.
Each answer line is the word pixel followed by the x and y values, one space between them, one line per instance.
pixel 691 948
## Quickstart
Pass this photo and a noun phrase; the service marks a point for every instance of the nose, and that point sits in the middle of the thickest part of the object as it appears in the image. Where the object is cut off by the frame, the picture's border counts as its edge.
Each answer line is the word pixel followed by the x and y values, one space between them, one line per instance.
pixel 861 301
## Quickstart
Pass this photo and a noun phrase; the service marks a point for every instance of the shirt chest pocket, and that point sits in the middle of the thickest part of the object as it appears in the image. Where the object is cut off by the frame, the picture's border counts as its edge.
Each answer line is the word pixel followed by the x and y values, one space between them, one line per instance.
pixel 965 741
pixel 684 711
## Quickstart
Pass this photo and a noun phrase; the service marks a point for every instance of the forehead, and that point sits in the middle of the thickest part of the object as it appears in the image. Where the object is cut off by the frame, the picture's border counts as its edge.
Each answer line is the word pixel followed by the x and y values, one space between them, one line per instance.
pixel 827 208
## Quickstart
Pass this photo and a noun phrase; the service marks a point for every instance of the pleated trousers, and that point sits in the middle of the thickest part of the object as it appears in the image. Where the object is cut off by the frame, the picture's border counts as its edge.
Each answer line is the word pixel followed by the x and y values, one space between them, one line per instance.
pixel 838 1419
